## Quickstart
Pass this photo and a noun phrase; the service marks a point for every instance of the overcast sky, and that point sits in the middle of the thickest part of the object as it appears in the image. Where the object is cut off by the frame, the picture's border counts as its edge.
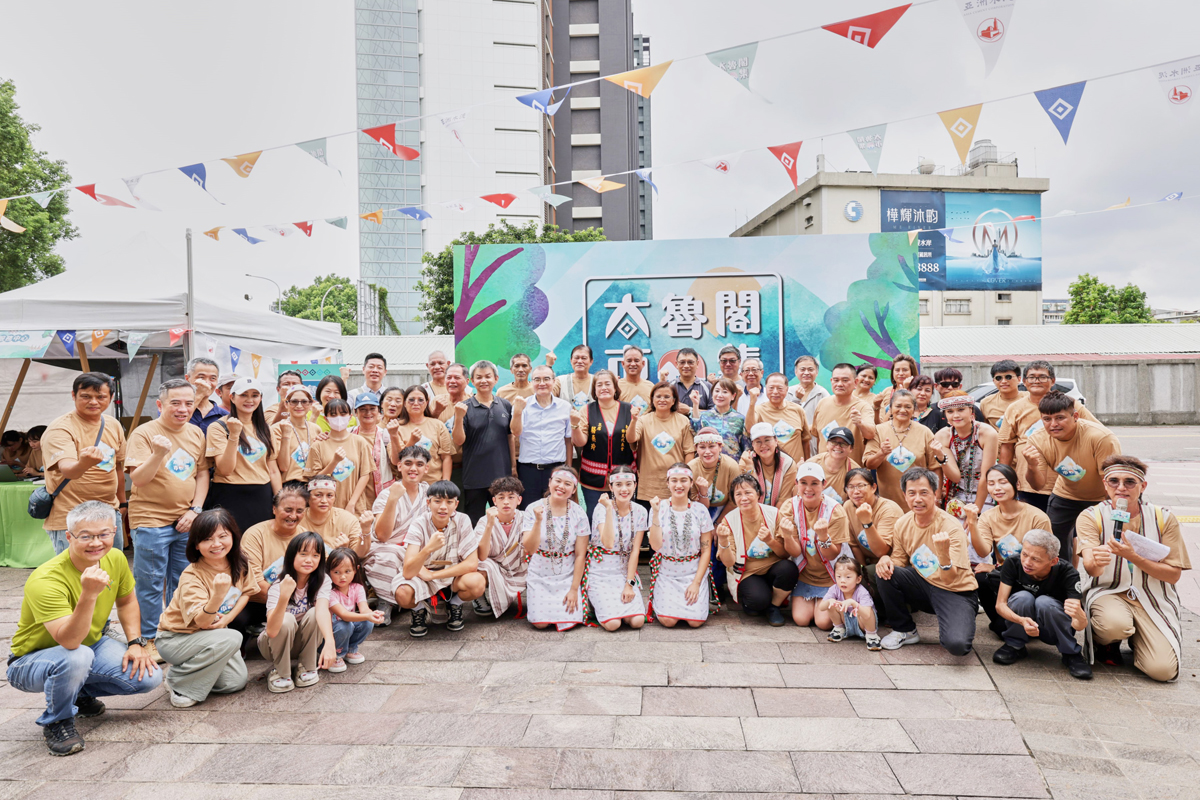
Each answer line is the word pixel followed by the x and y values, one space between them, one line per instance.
pixel 121 89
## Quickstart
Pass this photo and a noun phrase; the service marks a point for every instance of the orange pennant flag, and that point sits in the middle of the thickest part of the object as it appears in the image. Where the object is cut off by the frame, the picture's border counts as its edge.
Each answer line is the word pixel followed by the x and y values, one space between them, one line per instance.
pixel 1128 200
pixel 961 122
pixel 601 185
pixel 244 163
pixel 98 338
pixel 255 360
pixel 214 234
pixel 7 223
pixel 375 216
pixel 642 81
pixel 912 236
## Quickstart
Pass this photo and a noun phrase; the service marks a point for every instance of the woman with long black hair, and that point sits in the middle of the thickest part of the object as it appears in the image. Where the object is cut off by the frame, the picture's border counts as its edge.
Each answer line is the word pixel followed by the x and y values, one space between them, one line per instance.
pixel 602 443
pixel 245 475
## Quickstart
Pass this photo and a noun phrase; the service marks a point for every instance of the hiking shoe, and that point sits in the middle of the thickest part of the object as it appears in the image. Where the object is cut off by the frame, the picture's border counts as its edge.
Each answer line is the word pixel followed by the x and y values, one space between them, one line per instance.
pixel 88 706
pixel 61 738
pixel 775 617
pixel 420 623
pixel 482 607
pixel 874 642
pixel 836 634
pixel 1007 654
pixel 1077 666
pixel 455 623
pixel 895 640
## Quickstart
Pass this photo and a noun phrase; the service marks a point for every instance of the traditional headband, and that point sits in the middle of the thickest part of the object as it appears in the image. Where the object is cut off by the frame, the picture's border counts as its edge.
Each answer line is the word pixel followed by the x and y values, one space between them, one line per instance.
pixel 322 483
pixel 566 473
pixel 709 438
pixel 955 402
pixel 1134 471
pixel 679 472
pixel 622 478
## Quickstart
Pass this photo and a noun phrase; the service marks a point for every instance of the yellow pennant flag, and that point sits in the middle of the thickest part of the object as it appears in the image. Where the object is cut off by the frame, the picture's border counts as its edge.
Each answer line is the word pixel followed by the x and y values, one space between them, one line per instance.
pixel 243 164
pixel 961 122
pixel 255 361
pixel 98 338
pixel 642 81
pixel 601 185
pixel 1128 200
pixel 912 236
pixel 214 234
pixel 375 216
pixel 3 206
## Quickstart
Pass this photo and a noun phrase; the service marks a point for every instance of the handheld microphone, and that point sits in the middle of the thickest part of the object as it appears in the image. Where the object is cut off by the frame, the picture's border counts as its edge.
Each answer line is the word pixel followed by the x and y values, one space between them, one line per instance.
pixel 1120 516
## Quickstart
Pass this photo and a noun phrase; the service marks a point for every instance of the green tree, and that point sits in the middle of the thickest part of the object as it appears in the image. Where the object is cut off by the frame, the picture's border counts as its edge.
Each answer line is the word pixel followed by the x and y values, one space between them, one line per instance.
pixel 341 305
pixel 29 257
pixel 437 274
pixel 1094 302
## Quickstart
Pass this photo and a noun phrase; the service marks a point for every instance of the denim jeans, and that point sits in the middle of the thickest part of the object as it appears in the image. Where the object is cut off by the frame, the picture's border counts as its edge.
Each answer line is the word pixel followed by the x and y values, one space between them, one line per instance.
pixel 347 636
pixel 59 538
pixel 64 675
pixel 159 556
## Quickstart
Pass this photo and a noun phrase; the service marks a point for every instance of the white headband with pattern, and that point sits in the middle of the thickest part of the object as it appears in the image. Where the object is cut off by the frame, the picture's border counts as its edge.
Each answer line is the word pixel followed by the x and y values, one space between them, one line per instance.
pixel 322 483
pixel 679 472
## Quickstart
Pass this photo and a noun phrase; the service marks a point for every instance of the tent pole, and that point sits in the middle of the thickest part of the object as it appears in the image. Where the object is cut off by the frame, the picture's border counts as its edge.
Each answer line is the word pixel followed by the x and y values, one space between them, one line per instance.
pixel 12 398
pixel 83 359
pixel 137 415
pixel 189 343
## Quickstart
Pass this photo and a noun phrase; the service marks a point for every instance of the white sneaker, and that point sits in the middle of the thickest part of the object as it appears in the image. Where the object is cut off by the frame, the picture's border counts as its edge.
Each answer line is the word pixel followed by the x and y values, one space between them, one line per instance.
pixel 179 701
pixel 895 640
pixel 482 607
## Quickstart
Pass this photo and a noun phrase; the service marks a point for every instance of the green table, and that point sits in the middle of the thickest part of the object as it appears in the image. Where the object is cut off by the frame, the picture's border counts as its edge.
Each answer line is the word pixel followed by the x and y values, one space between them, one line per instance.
pixel 23 543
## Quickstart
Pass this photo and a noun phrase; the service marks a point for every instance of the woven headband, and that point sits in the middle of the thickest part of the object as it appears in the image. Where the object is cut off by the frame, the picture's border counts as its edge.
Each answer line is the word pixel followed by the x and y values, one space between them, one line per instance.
pixel 323 483
pixel 679 472
pixel 708 438
pixel 1134 471
pixel 955 402
pixel 566 473
pixel 622 477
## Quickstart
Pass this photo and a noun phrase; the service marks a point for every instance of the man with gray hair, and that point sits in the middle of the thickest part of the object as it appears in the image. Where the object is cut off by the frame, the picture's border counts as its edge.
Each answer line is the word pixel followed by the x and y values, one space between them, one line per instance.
pixel 1040 597
pixel 166 461
pixel 202 374
pixel 60 647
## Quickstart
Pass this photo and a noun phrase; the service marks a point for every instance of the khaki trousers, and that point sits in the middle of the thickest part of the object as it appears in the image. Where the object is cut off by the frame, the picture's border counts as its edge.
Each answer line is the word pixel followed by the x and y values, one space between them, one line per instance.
pixel 296 640
pixel 1115 618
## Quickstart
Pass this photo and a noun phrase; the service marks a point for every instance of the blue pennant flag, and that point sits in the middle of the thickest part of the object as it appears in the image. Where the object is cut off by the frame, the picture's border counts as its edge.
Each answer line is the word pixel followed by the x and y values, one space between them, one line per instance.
pixel 1172 196
pixel 540 101
pixel 197 173
pixel 949 234
pixel 1061 103
pixel 235 355
pixel 644 174
pixel 242 233
pixel 68 340
pixel 414 212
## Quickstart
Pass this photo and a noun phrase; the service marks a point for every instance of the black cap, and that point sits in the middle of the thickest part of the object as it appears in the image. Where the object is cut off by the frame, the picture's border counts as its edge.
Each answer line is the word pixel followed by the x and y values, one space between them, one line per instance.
pixel 845 434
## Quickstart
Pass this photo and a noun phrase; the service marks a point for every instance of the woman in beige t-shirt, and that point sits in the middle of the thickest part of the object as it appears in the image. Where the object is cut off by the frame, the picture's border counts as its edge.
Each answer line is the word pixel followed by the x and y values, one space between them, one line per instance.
pixel 662 438
pixel 344 456
pixel 294 435
pixel 900 444
pixel 412 427
pixel 245 474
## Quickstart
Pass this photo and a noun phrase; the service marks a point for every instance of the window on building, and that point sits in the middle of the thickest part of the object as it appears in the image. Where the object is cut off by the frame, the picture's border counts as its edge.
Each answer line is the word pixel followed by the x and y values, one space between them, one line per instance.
pixel 1004 322
pixel 924 307
pixel 957 307
pixel 808 221
pixel 1003 297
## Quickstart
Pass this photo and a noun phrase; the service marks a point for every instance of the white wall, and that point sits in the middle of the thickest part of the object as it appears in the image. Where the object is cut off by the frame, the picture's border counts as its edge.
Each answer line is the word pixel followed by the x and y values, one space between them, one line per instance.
pixel 1025 308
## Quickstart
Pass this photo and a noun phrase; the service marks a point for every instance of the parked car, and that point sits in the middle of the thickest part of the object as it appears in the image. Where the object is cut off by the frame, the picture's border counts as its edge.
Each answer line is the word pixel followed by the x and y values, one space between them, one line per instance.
pixel 1068 386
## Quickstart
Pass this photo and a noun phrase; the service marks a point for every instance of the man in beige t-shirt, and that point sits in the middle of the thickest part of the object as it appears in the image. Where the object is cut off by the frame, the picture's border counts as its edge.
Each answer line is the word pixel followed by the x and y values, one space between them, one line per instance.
pixel 520 366
pixel 95 470
pixel 840 410
pixel 1006 375
pixel 631 387
pixel 787 418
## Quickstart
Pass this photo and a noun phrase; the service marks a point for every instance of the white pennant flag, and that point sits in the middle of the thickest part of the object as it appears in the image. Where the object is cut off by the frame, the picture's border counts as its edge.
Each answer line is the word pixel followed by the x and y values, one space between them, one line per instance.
pixel 131 184
pixel 987 20
pixel 547 195
pixel 453 123
pixel 724 163
pixel 460 206
pixel 282 231
pixel 133 341
pixel 1179 79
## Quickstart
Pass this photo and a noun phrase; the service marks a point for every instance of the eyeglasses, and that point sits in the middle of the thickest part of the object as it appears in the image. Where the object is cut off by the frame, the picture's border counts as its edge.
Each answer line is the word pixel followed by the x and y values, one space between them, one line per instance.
pixel 88 538
pixel 949 384
pixel 299 402
pixel 1118 483
pixel 1038 379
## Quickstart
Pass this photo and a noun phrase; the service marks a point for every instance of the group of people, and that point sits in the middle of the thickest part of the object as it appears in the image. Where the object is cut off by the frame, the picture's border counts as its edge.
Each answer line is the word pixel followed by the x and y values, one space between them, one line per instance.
pixel 300 527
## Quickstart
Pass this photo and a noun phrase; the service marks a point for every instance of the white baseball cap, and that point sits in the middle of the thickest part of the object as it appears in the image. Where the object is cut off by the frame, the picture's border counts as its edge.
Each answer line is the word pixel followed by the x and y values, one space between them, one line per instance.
pixel 809 469
pixel 761 429
pixel 243 385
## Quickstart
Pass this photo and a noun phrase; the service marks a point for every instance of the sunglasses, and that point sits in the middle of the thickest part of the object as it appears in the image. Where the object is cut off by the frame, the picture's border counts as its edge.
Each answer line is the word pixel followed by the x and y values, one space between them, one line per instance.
pixel 1117 483
pixel 949 384
pixel 1004 377
pixel 730 360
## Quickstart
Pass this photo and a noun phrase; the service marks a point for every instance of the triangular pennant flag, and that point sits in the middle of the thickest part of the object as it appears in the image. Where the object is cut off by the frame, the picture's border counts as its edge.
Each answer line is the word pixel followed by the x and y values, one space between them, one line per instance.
pixel 210 346
pixel 133 342
pixel 375 216
pixel 106 200
pixel 1128 200
pixel 328 359
pixel 453 123
pixel 644 174
pixel 640 81
pixel 869 141
pixel 306 227
pixel 504 199
pixel 242 233
pixel 235 355
pixel 1060 104
pixel 386 136
pixel 787 155
pixel 315 148
pixel 949 234
pixel 988 23
pixel 282 231
pixel 868 30
pixel 243 165
pixel 9 225
pixel 961 122
pixel 176 334
pixel 131 184
pixel 214 233
pixel 541 101
pixel 43 198
pixel 601 185
pixel 1179 79
pixel 199 176
pixel 98 338
pixel 337 222
pixel 1172 196
pixel 736 62
pixel 3 207
pixel 68 340
pixel 724 163
pixel 456 205
pixel 912 236
pixel 255 361
pixel 414 212
pixel 89 190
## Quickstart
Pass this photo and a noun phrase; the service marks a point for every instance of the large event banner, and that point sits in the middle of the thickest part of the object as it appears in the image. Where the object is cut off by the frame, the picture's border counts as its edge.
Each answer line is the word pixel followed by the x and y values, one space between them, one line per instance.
pixel 837 298
pixel 970 241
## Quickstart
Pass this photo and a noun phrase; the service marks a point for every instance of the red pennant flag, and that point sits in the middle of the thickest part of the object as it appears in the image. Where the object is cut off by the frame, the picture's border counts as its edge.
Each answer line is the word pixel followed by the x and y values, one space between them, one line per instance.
pixel 89 190
pixel 304 226
pixel 503 200
pixel 787 155
pixel 176 335
pixel 106 200
pixel 386 136
pixel 868 30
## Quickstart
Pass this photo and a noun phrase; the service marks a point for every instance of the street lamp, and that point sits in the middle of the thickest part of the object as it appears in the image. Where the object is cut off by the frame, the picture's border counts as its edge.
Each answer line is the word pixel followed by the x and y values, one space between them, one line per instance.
pixel 279 308
pixel 332 286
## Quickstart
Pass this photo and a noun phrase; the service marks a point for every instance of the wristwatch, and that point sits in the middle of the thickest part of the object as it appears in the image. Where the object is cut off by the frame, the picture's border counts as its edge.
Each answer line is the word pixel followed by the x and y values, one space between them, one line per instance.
pixel 635 582
pixel 196 510
pixel 945 567
pixel 866 525
pixel 940 460
pixel 140 641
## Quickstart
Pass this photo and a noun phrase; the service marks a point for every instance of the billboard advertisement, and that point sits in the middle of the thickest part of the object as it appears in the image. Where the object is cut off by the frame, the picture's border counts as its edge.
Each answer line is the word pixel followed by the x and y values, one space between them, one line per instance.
pixel 973 241
pixel 837 298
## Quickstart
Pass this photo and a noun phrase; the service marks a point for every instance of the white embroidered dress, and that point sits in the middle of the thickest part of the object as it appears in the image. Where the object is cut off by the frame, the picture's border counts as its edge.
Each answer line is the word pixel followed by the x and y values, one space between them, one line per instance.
pixel 607 569
pixel 552 566
pixel 677 562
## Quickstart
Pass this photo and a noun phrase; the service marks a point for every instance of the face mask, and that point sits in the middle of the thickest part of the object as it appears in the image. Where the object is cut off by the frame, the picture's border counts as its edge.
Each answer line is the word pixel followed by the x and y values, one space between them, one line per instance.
pixel 338 423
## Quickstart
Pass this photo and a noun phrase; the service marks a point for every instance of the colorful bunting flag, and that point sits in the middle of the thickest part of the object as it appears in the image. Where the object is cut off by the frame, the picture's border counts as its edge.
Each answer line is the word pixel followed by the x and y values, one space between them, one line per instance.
pixel 199 176
pixel 255 361
pixel 1128 200
pixel 736 62
pixel 504 199
pixel 546 194
pixel 131 184
pixel 453 123
pixel 870 29
pixel 68 340
pixel 242 233
pixel 306 227
pixel 43 198
pixel 214 233
pixel 912 236
pixel 869 141
pixel 9 225
pixel 98 338
pixel 106 200
pixel 282 231
pixel 787 155
pixel 601 185
pixel 1179 79
pixel 315 148
pixel 456 205
pixel 644 174
pixel 176 334
pixel 725 163
pixel 243 165
pixel 541 101
pixel 640 81
pixel 210 346
pixel 89 190
pixel 960 123
pixel 337 222
pixel 235 355
pixel 133 342
pixel 386 136
pixel 1172 196
pixel 988 23
pixel 375 216
pixel 1060 104
pixel 414 212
